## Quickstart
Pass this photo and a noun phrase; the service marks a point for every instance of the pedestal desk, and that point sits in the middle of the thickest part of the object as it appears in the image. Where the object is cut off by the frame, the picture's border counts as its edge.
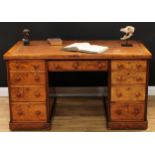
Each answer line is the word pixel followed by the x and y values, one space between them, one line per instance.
pixel 28 67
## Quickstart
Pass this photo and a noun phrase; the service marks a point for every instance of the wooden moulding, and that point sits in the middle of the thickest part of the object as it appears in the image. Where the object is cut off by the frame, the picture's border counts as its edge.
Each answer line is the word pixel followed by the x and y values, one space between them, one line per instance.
pixel 78 65
pixel 127 125
pixel 30 126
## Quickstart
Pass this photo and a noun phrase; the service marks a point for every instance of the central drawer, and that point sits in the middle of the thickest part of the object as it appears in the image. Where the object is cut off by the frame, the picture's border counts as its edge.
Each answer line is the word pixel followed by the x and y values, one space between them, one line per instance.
pixel 77 65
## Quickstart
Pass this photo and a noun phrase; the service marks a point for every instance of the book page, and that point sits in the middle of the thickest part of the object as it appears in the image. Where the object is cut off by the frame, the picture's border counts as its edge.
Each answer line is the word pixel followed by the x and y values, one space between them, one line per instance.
pixel 86 47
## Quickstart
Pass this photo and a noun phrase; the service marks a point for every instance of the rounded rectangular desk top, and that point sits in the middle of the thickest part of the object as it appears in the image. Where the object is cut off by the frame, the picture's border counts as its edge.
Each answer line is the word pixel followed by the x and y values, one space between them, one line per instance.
pixel 42 50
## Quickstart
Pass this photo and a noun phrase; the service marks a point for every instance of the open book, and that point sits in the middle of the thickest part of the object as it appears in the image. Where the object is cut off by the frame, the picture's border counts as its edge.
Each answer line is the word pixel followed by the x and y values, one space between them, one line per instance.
pixel 86 47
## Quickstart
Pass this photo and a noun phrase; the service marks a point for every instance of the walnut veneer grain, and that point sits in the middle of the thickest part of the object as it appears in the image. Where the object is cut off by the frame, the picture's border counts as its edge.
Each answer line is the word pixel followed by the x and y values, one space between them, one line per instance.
pixel 28 67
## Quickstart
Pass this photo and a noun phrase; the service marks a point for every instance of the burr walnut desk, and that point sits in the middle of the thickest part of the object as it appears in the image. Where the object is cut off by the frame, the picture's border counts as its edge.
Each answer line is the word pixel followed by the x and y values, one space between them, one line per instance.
pixel 28 67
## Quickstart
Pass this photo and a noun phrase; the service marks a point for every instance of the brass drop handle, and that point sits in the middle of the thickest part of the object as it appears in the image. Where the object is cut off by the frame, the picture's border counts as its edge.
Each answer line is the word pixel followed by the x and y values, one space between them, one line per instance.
pixel 126 105
pixel 36 67
pixel 57 66
pixel 37 113
pixel 18 78
pixel 139 79
pixel 136 111
pixel 37 78
pixel 20 113
pixel 139 66
pixel 137 94
pixel 118 112
pixel 119 78
pixel 120 66
pixel 37 94
pixel 19 94
pixel 119 95
pixel 17 65
pixel 100 65
pixel 76 65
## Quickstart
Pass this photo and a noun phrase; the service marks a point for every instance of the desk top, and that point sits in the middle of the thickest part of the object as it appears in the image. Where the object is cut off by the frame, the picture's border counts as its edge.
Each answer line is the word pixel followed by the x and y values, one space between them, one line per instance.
pixel 42 50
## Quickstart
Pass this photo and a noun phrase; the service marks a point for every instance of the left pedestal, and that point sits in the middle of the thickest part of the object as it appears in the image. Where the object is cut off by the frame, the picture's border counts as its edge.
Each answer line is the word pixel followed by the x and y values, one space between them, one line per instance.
pixel 28 95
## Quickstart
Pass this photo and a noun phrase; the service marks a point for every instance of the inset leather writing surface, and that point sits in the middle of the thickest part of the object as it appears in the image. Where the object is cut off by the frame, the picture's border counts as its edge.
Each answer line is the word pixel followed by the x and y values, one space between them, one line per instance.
pixel 42 50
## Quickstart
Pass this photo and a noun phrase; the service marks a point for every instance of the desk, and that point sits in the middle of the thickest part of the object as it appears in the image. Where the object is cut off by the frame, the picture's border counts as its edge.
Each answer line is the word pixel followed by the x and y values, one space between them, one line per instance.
pixel 28 67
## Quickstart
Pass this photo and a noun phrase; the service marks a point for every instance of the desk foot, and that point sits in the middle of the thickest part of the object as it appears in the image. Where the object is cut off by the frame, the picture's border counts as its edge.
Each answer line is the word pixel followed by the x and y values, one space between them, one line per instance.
pixel 127 125
pixel 30 126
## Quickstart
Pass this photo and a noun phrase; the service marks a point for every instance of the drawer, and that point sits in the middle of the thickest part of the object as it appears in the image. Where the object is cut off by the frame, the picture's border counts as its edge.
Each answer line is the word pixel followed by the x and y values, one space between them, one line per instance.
pixel 26 65
pixel 128 93
pixel 127 111
pixel 128 77
pixel 139 65
pixel 77 65
pixel 28 111
pixel 27 78
pixel 23 93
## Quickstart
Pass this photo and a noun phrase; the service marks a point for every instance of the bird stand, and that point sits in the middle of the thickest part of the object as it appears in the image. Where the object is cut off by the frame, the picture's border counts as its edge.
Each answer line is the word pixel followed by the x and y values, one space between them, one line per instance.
pixel 126 43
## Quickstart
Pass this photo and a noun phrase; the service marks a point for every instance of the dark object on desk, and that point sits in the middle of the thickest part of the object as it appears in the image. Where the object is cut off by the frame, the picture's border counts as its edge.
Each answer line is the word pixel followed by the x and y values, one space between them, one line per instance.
pixel 26 39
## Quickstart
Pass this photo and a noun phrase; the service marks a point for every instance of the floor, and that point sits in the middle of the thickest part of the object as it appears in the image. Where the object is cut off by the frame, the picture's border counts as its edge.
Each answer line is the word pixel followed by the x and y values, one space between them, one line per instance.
pixel 77 114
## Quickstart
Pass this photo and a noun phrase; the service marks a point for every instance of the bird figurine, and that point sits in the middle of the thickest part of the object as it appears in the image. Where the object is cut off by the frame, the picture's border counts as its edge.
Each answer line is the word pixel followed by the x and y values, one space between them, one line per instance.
pixel 128 33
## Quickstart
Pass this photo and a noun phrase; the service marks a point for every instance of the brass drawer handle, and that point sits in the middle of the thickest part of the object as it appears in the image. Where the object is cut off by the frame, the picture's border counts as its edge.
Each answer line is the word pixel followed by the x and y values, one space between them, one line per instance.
pixel 36 67
pixel 120 66
pixel 38 113
pixel 100 65
pixel 37 94
pixel 139 66
pixel 20 113
pixel 76 65
pixel 136 111
pixel 126 106
pixel 37 78
pixel 19 94
pixel 18 78
pixel 119 94
pixel 57 66
pixel 137 94
pixel 120 78
pixel 119 112
pixel 17 65
pixel 139 79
